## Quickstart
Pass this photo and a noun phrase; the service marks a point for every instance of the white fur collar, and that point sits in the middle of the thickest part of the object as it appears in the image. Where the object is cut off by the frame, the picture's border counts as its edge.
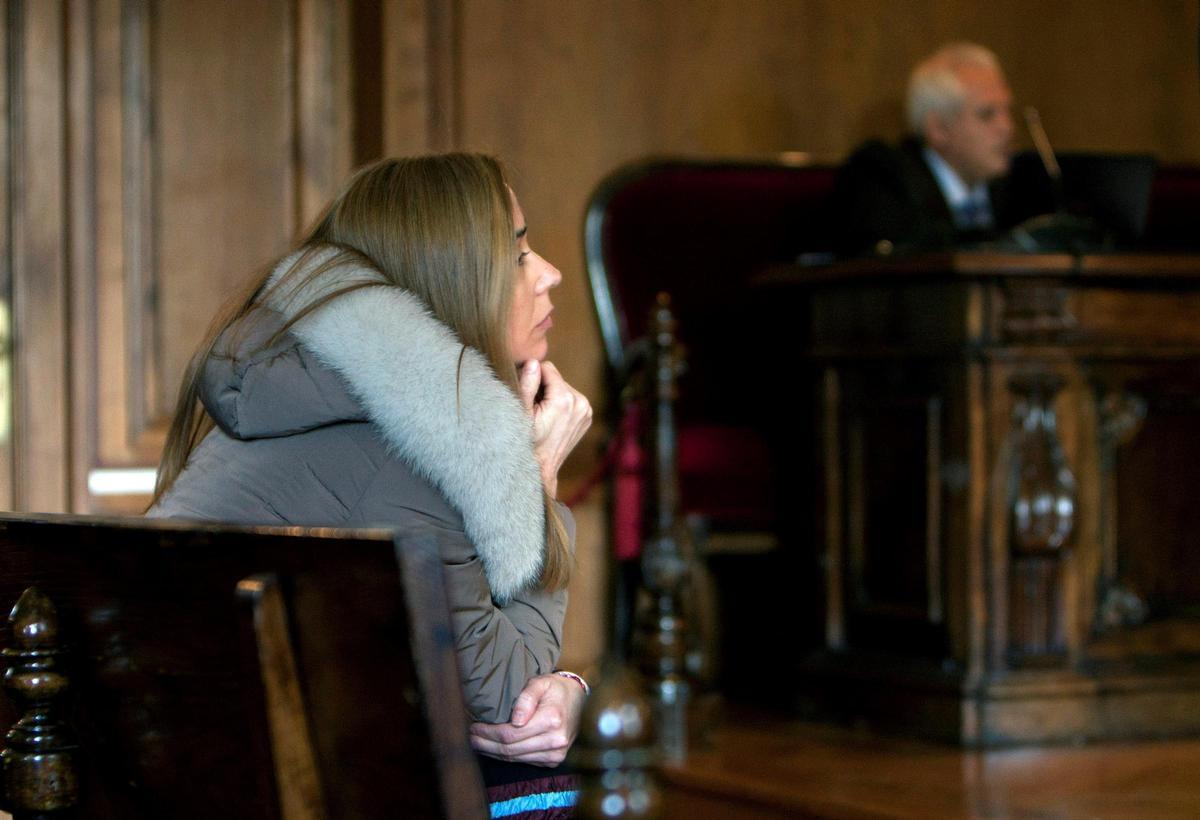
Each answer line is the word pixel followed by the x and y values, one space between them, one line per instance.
pixel 462 430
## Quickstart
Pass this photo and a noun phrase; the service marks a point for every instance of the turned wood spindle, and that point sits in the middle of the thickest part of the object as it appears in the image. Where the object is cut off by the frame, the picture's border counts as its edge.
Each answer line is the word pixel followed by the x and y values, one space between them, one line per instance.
pixel 39 759
pixel 1121 414
pixel 665 557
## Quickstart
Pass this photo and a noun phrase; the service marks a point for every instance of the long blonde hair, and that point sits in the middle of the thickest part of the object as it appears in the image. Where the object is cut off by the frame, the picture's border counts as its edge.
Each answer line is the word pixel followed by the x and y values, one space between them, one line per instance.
pixel 441 227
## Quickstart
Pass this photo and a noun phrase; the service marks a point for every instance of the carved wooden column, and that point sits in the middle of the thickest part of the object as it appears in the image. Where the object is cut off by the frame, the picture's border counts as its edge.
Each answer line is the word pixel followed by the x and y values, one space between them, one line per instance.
pixel 1042 501
pixel 40 769
pixel 1121 416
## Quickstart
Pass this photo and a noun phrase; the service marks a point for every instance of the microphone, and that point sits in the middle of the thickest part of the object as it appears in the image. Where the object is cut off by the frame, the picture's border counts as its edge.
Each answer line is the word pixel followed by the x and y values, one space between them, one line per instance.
pixel 1058 231
pixel 1033 121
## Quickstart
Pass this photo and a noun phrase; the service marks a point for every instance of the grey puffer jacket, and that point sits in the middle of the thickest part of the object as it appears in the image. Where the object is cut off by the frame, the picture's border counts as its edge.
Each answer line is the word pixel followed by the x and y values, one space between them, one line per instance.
pixel 368 413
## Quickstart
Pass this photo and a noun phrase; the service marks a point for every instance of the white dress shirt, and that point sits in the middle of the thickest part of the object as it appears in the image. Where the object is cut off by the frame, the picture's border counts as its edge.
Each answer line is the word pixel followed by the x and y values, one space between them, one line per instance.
pixel 971 208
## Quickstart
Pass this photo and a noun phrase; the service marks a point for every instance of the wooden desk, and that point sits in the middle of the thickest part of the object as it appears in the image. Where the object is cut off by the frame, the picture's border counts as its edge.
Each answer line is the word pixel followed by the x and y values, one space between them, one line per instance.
pixel 1007 455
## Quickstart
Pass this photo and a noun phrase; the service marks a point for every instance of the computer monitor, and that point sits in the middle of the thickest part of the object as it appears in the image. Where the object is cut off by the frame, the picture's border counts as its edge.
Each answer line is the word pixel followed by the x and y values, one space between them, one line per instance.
pixel 1113 190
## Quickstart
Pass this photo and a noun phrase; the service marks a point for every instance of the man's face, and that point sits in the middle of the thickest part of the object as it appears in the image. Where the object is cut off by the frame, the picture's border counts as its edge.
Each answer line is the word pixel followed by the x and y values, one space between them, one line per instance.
pixel 977 141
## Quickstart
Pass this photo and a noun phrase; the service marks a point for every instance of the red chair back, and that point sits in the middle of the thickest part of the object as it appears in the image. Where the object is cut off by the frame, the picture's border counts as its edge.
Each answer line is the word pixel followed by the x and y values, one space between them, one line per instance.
pixel 699 230
pixel 1174 219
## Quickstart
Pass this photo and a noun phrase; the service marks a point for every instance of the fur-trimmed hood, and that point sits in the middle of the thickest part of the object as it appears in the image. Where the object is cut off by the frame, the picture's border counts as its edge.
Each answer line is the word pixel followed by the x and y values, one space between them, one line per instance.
pixel 377 354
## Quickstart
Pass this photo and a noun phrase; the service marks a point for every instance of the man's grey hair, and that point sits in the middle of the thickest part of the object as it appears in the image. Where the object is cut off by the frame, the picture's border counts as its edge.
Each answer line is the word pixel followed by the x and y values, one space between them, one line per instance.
pixel 934 86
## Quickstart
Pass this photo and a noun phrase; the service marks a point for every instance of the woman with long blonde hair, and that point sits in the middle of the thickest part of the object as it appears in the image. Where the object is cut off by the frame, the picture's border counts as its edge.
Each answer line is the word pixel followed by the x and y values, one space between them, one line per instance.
pixel 389 371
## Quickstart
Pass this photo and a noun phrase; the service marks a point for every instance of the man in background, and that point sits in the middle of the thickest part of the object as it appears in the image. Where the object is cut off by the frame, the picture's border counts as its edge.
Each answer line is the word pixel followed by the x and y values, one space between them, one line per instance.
pixel 946 183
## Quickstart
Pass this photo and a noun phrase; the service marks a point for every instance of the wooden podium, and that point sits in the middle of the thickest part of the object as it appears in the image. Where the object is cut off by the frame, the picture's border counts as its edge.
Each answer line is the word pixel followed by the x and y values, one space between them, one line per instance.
pixel 1007 475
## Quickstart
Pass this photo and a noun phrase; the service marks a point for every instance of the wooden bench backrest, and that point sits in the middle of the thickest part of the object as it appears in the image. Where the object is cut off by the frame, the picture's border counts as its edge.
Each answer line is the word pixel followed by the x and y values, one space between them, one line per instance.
pixel 248 672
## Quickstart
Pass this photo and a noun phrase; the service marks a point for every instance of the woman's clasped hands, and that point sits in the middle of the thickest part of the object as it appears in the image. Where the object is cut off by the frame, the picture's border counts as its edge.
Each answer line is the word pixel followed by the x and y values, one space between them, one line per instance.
pixel 545 720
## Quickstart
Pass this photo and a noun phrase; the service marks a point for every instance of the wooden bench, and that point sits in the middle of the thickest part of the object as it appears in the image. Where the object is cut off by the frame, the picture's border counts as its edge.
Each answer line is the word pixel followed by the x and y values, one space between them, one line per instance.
pixel 160 669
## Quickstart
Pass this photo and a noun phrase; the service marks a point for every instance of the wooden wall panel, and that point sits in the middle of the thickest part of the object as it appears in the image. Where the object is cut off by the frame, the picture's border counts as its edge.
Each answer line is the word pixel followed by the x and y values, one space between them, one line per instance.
pixel 158 152
pixel 419 82
pixel 320 56
pixel 405 80
pixel 222 167
pixel 81 48
pixel 216 137
pixel 7 472
pixel 110 372
pixel 38 256
pixel 567 91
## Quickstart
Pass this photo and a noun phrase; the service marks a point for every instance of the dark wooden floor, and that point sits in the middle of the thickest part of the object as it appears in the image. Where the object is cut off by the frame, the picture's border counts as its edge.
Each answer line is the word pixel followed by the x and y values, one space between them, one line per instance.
pixel 756 767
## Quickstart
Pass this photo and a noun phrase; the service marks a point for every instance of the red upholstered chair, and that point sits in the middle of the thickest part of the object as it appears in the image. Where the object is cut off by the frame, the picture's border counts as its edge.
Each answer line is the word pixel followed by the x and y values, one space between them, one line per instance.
pixel 698 230
pixel 1174 219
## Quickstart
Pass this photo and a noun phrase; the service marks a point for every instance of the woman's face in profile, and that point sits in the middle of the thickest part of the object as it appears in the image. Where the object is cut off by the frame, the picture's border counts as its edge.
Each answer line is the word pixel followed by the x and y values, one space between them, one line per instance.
pixel 530 319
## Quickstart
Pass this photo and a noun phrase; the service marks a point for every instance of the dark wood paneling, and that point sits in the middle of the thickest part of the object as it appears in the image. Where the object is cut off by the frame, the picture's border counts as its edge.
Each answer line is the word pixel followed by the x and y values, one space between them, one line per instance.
pixel 1064 477
pixel 81 157
pixel 893 567
pixel 39 256
pixel 404 84
pixel 420 71
pixel 201 142
pixel 220 166
pixel 154 155
pixel 104 387
pixel 1158 519
pixel 7 447
pixel 322 141
pixel 566 92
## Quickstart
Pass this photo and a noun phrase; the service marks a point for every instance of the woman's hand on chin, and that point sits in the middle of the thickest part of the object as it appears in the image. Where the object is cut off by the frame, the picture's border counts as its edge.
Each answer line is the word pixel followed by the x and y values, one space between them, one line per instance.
pixel 560 417
pixel 545 720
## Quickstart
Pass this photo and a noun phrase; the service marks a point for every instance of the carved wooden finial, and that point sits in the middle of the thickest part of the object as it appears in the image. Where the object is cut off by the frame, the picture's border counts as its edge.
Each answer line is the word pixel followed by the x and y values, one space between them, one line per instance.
pixel 40 772
pixel 615 752
pixel 34 621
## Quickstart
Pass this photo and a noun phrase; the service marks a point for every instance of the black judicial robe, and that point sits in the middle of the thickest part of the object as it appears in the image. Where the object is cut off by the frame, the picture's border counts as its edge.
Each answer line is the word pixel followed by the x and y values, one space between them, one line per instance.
pixel 885 192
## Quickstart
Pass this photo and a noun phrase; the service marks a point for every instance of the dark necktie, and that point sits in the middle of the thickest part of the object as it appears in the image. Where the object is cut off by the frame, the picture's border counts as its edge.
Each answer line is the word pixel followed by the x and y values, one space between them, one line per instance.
pixel 973 214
